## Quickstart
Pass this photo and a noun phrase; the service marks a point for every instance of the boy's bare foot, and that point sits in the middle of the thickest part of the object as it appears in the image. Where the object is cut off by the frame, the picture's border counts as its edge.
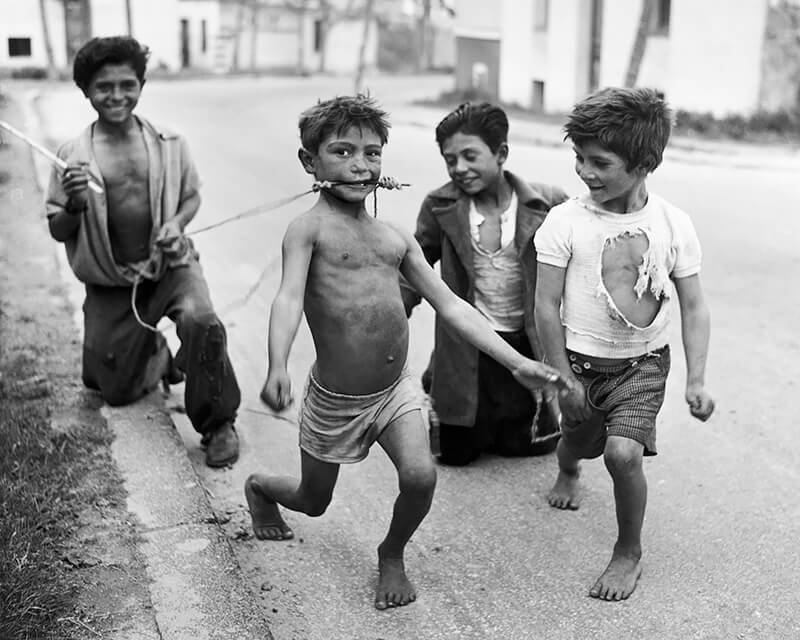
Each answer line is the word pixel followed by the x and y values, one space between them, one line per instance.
pixel 619 579
pixel 394 588
pixel 565 493
pixel 267 521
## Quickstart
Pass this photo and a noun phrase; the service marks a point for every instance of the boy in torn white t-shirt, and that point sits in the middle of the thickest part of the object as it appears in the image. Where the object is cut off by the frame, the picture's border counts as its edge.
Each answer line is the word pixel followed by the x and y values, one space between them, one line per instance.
pixel 608 264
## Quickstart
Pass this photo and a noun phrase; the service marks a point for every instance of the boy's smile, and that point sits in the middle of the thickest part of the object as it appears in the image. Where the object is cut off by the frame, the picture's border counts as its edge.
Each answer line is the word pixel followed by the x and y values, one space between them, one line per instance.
pixel 610 183
pixel 351 156
pixel 471 164
pixel 114 93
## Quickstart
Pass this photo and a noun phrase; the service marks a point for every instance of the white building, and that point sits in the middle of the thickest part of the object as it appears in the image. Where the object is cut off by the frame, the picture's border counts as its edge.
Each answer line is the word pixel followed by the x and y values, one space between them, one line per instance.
pixel 705 55
pixel 71 23
pixel 208 35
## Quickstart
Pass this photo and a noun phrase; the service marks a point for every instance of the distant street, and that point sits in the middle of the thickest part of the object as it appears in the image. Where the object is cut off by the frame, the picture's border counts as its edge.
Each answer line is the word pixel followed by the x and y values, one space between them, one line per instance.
pixel 492 560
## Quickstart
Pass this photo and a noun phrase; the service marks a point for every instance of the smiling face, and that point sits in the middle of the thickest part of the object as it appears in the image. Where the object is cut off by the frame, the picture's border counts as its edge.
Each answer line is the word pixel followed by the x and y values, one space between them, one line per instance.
pixel 611 185
pixel 471 164
pixel 351 156
pixel 114 92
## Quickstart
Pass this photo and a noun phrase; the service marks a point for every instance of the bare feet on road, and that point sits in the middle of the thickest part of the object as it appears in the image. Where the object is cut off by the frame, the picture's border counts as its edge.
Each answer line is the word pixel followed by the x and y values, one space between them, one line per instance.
pixel 394 587
pixel 565 493
pixel 267 521
pixel 619 579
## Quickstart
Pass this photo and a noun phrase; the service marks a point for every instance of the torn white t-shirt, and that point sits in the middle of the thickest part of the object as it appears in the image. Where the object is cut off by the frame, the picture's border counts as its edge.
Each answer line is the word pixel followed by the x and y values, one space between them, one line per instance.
pixel 575 235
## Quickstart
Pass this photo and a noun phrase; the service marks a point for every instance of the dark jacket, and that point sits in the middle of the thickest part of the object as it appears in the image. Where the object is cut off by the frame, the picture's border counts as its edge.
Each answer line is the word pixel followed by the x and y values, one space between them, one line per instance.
pixel 444 235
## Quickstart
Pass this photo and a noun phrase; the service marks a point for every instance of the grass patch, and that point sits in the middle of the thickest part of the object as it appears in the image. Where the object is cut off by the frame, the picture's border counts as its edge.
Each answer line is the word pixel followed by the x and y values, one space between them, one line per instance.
pixel 41 472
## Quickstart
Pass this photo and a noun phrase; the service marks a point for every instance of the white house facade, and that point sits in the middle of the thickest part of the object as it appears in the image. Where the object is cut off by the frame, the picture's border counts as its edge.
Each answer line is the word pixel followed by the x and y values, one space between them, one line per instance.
pixel 705 55
pixel 206 35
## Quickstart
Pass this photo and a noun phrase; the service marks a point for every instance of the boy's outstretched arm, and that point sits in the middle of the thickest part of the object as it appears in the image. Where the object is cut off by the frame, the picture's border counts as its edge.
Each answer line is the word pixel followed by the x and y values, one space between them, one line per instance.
pixel 287 309
pixel 469 322
pixel 696 330
pixel 547 315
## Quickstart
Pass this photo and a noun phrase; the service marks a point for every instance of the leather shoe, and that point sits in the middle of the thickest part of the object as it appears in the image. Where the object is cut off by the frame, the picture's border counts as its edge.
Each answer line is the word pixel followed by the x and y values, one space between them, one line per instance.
pixel 223 446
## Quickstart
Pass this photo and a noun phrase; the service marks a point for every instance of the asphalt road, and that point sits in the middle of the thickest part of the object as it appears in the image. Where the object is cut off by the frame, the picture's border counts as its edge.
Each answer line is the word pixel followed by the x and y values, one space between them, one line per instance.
pixel 492 560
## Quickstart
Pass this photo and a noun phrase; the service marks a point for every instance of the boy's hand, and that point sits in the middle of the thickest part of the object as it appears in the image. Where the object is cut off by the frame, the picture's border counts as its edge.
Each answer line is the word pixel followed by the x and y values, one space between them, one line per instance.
pixel 170 238
pixel 574 403
pixel 277 391
pixel 75 181
pixel 538 376
pixel 701 405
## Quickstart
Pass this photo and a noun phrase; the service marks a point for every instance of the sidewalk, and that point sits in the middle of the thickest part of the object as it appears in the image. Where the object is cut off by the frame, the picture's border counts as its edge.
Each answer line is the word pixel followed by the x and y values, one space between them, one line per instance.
pixel 680 149
pixel 196 589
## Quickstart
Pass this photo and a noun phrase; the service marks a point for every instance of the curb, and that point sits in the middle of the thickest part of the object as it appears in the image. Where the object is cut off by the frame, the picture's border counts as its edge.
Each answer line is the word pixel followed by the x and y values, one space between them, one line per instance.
pixel 680 148
pixel 197 588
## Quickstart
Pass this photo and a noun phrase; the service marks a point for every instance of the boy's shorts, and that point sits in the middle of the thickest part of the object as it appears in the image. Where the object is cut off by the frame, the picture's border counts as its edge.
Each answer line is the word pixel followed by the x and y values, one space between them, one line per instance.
pixel 340 428
pixel 625 400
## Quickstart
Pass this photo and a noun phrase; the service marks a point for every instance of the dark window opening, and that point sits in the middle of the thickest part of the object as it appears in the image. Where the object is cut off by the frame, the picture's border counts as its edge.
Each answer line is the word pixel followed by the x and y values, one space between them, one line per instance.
pixel 203 36
pixel 19 47
pixel 537 96
pixel 317 35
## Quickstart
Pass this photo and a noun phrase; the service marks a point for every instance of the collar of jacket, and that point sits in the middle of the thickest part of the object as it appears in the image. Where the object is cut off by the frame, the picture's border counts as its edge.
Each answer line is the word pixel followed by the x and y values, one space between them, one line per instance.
pixel 452 213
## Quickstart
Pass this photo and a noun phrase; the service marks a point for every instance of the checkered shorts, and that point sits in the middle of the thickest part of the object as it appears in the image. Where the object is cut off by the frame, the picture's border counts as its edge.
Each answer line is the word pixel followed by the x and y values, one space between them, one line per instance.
pixel 625 398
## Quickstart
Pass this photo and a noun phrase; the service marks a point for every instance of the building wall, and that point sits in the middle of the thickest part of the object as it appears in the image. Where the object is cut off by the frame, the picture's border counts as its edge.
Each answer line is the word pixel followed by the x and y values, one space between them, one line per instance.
pixel 780 82
pixel 195 12
pixel 478 65
pixel 520 47
pixel 343 44
pixel 478 28
pixel 713 68
pixel 568 44
pixel 22 20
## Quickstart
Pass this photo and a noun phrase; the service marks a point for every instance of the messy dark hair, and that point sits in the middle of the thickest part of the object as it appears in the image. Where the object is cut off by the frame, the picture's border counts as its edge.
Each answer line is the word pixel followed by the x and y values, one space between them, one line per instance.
pixel 339 114
pixel 114 50
pixel 485 120
pixel 633 123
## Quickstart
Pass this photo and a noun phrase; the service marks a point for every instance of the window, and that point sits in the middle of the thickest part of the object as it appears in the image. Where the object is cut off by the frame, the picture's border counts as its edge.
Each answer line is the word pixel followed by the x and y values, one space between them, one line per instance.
pixel 537 96
pixel 659 21
pixel 318 35
pixel 203 36
pixel 540 10
pixel 19 47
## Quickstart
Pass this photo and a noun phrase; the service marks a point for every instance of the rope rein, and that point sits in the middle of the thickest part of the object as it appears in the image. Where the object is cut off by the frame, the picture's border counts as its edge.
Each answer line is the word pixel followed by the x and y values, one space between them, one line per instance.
pixel 263 208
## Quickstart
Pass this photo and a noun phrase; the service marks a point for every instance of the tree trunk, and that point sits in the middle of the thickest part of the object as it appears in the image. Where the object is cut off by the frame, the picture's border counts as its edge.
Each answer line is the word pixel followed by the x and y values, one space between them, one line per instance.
pixel 362 51
pixel 237 34
pixel 254 36
pixel 425 51
pixel 48 43
pixel 639 43
pixel 128 17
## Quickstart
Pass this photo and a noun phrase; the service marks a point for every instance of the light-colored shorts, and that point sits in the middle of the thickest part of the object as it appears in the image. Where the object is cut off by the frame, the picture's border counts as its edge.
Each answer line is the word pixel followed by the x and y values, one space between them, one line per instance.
pixel 341 428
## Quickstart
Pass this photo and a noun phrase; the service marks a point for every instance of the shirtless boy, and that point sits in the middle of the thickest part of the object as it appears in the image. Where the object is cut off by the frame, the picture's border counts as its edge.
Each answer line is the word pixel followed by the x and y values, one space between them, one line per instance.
pixel 340 267
pixel 134 231
pixel 608 264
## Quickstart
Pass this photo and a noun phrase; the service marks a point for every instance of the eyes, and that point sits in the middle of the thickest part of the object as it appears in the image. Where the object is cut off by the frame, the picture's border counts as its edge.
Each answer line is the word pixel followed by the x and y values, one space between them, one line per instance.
pixel 108 87
pixel 345 152
pixel 452 160
pixel 597 163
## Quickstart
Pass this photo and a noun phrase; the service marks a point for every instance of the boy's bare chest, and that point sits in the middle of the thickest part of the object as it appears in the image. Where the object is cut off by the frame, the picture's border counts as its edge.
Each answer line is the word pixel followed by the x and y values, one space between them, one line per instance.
pixel 353 247
pixel 123 166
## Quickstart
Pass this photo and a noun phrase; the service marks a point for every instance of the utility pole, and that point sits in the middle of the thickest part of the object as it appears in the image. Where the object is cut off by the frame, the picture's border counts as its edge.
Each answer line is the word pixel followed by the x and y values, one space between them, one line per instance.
pixel 48 43
pixel 362 51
